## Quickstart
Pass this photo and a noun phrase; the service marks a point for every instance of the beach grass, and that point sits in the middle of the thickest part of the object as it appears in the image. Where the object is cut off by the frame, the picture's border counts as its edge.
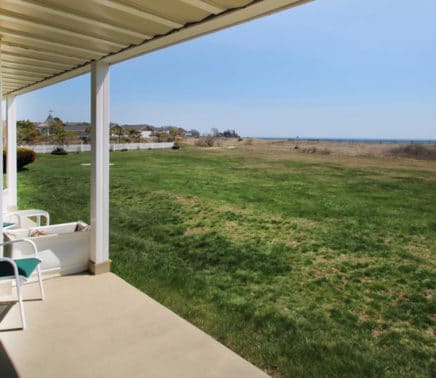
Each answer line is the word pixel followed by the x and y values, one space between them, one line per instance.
pixel 306 265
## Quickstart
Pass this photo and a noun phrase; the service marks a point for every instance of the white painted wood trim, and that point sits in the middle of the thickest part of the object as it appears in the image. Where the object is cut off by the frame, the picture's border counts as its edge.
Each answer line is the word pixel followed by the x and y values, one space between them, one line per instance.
pixel 99 251
pixel 1 154
pixel 11 159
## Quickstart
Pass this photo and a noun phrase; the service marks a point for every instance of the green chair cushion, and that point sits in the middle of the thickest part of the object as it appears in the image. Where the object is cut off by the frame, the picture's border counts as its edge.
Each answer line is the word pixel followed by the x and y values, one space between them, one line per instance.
pixel 7 224
pixel 25 267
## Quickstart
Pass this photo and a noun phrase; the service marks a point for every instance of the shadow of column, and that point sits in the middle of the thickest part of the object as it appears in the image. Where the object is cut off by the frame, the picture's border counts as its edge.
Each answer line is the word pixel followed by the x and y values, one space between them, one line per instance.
pixel 7 368
pixel 4 309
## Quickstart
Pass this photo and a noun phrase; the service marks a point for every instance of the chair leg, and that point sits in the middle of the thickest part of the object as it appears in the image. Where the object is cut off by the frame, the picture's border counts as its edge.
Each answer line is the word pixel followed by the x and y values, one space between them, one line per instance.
pixel 41 288
pixel 20 303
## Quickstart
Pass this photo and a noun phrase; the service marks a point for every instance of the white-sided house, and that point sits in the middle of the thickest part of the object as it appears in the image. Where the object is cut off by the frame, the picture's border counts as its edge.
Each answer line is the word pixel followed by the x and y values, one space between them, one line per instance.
pixel 44 127
pixel 146 134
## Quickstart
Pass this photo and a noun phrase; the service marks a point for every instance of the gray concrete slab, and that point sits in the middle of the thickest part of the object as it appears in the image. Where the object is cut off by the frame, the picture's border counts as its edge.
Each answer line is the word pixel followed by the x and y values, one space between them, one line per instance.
pixel 100 326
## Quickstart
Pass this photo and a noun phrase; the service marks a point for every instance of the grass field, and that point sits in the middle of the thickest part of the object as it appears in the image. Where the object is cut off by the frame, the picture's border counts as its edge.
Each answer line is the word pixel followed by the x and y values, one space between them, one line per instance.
pixel 305 265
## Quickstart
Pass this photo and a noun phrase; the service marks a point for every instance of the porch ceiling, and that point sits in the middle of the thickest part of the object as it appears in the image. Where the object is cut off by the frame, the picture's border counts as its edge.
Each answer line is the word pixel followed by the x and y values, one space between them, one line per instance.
pixel 47 41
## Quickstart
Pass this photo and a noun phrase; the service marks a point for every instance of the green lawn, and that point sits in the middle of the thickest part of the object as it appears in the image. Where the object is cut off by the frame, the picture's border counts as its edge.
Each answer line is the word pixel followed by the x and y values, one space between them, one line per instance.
pixel 305 265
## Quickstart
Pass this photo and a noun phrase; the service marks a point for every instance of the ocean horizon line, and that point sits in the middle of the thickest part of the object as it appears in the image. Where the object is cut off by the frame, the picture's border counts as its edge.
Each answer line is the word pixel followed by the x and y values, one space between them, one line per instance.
pixel 355 140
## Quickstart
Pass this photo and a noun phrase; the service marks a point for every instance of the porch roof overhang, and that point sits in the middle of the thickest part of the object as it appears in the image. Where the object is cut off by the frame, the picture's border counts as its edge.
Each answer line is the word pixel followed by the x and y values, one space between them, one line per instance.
pixel 47 41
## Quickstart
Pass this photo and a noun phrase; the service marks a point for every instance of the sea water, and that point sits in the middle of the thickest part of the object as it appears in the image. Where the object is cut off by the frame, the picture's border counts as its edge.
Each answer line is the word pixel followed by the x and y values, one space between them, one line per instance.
pixel 357 140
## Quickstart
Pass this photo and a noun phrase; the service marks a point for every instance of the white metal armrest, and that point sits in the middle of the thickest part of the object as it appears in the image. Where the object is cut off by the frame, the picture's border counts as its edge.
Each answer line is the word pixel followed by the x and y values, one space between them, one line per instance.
pixel 31 242
pixel 14 265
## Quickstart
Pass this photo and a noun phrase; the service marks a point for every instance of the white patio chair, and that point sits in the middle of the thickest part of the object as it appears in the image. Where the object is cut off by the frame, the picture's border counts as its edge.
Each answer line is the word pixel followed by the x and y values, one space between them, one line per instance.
pixel 21 270
pixel 18 216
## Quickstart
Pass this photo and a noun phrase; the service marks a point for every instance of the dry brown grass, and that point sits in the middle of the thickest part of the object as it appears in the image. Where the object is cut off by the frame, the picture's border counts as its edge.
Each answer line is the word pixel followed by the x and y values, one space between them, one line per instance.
pixel 414 151
pixel 348 154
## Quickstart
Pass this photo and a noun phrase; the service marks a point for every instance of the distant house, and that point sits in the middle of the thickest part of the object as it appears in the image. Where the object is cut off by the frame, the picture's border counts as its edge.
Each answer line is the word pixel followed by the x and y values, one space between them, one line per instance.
pixel 146 130
pixel 79 128
pixel 140 127
pixel 44 127
pixel 146 133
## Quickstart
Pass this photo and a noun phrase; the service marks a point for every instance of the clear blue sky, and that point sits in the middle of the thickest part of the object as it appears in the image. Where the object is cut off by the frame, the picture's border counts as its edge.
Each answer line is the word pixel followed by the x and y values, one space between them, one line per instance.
pixel 330 68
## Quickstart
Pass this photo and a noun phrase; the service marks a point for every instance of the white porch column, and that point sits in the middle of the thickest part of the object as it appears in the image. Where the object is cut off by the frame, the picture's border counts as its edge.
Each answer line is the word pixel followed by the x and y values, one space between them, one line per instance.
pixel 1 152
pixel 11 157
pixel 99 259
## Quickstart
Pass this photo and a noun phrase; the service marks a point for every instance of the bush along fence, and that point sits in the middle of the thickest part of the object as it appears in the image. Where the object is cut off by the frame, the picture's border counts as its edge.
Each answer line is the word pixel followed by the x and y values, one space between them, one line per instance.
pixel 49 148
pixel 24 156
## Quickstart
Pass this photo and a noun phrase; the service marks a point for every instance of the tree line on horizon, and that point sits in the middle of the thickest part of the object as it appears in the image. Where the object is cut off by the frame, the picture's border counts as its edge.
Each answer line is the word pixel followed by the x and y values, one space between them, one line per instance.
pixel 55 132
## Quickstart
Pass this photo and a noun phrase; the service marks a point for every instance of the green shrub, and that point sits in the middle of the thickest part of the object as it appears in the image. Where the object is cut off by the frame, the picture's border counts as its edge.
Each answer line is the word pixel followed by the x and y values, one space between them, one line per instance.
pixel 59 151
pixel 25 156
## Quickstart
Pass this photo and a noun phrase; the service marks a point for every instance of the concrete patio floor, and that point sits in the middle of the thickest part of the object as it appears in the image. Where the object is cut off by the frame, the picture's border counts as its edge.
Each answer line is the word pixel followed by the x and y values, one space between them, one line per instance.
pixel 100 326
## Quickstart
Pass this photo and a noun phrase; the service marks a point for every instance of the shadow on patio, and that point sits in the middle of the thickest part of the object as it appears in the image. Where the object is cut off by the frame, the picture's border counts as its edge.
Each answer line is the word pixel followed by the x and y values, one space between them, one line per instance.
pixel 100 325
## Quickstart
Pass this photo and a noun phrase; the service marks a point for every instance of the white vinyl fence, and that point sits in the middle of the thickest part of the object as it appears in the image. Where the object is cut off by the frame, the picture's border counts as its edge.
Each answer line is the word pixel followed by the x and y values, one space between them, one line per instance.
pixel 48 148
